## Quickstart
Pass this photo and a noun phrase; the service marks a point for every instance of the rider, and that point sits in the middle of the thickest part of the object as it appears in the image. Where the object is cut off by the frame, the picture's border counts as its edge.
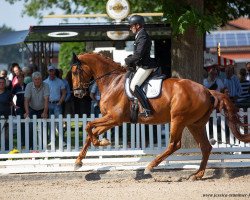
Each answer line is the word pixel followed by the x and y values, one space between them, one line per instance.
pixel 140 60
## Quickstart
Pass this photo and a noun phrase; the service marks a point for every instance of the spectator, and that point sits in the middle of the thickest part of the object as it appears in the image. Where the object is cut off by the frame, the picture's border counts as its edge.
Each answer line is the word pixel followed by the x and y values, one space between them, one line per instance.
pixel 221 72
pixel 69 107
pixel 5 107
pixel 27 75
pixel 232 83
pixel 68 94
pixel 212 82
pixel 5 99
pixel 19 91
pixel 4 74
pixel 36 97
pixel 57 92
pixel 16 71
pixel 82 105
pixel 95 96
pixel 11 75
pixel 245 87
pixel 248 71
pixel 36 100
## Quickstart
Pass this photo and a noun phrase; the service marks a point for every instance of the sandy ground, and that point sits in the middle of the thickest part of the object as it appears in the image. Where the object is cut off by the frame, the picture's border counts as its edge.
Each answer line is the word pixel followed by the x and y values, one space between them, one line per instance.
pixel 162 184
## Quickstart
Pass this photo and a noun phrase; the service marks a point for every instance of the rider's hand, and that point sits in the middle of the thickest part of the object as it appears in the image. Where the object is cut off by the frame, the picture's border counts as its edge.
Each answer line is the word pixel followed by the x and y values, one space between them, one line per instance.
pixel 125 66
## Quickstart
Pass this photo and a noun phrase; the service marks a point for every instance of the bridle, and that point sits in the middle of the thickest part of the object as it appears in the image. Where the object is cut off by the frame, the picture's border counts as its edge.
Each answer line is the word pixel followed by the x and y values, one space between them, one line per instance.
pixel 86 85
pixel 79 68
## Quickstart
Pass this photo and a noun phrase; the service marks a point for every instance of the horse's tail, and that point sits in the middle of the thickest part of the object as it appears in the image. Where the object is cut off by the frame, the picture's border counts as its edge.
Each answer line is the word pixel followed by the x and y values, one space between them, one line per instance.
pixel 223 102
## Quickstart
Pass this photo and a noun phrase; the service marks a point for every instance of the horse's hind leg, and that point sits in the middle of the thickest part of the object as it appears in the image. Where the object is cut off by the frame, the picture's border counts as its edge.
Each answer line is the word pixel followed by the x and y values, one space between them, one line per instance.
pixel 199 133
pixel 174 145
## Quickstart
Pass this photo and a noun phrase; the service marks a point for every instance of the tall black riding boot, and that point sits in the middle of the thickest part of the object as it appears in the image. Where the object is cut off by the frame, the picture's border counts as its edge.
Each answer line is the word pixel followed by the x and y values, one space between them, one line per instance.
pixel 141 96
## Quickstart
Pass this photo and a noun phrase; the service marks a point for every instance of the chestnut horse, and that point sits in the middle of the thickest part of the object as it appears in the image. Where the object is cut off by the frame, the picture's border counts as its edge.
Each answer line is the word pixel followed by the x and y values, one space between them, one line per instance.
pixel 182 102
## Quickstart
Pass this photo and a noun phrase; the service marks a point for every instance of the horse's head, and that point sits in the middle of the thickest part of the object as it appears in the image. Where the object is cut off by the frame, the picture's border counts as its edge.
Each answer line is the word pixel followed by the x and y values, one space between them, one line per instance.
pixel 80 77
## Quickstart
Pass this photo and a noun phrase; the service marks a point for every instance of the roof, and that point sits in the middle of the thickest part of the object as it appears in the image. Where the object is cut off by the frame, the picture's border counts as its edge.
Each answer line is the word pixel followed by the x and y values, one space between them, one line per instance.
pixel 238 57
pixel 245 49
pixel 228 38
pixel 15 37
pixel 242 23
pixel 83 32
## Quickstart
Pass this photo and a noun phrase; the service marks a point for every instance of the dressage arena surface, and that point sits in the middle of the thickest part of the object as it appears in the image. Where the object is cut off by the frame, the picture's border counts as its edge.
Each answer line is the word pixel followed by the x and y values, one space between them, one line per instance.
pixel 132 185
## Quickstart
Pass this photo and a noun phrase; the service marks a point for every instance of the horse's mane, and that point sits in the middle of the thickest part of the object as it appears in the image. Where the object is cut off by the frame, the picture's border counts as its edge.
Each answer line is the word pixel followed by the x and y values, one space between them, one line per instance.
pixel 104 57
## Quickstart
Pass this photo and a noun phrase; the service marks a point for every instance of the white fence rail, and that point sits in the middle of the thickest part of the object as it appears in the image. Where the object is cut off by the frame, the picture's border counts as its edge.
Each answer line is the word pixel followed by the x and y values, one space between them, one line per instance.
pixel 62 138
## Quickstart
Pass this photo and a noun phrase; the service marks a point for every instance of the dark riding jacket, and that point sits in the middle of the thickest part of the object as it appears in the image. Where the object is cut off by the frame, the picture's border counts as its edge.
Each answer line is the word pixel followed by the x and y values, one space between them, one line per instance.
pixel 141 56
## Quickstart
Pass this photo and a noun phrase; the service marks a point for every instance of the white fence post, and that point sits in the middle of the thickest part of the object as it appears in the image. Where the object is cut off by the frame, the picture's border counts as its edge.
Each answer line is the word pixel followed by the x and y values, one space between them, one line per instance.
pixel 132 137
pixel 52 133
pixel 76 132
pixel 2 131
pixel 60 132
pixel 68 126
pixel 11 132
pixel 45 134
pixel 124 135
pixel 116 137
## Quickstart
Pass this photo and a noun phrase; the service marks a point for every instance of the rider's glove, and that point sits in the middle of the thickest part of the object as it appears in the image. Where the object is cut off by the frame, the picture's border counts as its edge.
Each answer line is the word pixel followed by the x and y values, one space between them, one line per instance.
pixel 125 66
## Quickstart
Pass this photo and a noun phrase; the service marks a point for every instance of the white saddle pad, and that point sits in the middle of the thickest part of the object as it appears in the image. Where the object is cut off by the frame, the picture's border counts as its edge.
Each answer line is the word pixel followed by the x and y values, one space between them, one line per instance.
pixel 152 89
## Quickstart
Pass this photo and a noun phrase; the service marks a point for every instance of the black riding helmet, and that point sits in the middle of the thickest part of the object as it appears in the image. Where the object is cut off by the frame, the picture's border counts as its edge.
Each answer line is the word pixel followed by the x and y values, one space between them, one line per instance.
pixel 136 19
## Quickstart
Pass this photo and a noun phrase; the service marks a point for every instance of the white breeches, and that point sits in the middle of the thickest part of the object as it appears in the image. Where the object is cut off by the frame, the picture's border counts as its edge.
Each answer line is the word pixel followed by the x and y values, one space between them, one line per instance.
pixel 140 76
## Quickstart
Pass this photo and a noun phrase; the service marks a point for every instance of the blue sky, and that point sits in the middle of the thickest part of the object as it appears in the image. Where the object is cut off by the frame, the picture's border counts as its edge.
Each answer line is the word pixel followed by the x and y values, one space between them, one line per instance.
pixel 11 16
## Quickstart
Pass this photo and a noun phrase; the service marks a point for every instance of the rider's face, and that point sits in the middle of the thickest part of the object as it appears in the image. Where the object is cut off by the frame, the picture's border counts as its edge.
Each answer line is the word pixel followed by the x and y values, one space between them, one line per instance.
pixel 133 28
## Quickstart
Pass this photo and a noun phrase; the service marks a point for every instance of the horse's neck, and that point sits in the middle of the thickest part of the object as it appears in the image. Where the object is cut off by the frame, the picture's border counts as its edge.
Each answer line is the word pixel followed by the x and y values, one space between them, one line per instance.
pixel 104 71
pixel 110 81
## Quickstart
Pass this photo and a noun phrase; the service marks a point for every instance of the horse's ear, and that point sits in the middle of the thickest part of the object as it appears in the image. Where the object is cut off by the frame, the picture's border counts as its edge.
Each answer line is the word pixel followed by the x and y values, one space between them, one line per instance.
pixel 75 59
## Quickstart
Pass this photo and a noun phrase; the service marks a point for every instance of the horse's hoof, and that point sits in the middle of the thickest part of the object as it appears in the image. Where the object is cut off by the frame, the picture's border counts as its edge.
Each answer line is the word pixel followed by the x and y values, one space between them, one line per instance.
pixel 105 142
pixel 77 166
pixel 192 178
pixel 147 171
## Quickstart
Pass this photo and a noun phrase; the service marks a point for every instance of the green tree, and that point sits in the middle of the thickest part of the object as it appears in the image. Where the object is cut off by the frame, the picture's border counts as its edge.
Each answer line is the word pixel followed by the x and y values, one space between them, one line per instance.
pixel 65 54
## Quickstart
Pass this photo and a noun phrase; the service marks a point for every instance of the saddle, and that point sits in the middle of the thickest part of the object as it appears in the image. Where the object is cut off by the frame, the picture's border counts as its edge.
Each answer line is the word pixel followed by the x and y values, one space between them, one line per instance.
pixel 151 87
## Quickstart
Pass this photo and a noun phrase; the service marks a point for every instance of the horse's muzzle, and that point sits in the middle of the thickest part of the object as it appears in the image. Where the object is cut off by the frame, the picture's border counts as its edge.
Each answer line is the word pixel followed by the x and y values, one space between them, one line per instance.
pixel 80 93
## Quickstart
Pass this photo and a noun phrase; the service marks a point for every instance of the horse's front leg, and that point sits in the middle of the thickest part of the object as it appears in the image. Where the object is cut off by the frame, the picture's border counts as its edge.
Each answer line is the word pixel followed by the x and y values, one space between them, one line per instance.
pixel 82 154
pixel 101 125
pixel 92 137
pixel 97 127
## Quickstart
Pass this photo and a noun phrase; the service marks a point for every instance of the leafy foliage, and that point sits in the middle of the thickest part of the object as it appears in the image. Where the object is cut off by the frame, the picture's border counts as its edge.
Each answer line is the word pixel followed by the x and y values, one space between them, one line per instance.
pixel 65 54
pixel 182 15
pixel 36 8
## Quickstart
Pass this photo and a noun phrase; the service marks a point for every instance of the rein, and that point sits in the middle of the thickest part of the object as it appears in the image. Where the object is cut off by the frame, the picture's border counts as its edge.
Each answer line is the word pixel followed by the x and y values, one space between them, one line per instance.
pixel 102 76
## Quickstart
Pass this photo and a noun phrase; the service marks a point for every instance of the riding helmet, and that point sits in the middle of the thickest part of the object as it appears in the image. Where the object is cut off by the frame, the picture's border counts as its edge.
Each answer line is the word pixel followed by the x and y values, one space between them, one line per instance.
pixel 136 19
